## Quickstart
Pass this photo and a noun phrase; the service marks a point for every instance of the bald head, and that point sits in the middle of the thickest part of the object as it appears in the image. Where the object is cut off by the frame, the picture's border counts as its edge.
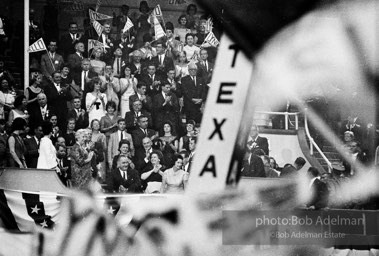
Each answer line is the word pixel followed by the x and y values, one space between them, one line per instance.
pixel 146 142
pixel 42 100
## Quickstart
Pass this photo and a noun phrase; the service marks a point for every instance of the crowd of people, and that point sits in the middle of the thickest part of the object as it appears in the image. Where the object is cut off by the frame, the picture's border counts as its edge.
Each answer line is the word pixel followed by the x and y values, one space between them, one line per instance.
pixel 124 114
pixel 323 184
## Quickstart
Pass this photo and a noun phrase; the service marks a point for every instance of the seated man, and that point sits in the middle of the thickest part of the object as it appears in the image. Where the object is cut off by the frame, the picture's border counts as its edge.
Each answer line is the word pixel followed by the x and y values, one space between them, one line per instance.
pixel 290 170
pixel 319 190
pixel 124 179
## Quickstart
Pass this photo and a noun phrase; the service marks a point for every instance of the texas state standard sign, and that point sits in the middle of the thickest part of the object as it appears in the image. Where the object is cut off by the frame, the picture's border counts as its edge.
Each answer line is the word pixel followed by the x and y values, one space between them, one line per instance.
pixel 222 118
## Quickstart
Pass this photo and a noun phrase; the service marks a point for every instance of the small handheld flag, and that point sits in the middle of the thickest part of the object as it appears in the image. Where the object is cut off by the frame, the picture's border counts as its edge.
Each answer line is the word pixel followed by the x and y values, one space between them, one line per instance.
pixel 211 39
pixel 158 29
pixel 128 25
pixel 37 46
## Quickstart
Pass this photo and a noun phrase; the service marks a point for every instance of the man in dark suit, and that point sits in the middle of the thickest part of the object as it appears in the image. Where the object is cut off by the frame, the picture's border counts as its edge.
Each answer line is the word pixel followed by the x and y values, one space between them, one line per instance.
pixel 79 114
pixel 162 61
pixel 107 41
pixel 166 108
pixel 132 116
pixel 125 179
pixel 290 171
pixel 319 190
pixel 63 164
pixel 194 91
pixel 69 40
pixel 142 131
pixel 253 166
pixel 83 77
pixel 118 63
pixel 152 81
pixel 146 100
pixel 75 59
pixel 57 97
pixel 32 146
pixel 205 67
pixel 142 156
pixel 175 87
pixel 42 114
pixel 256 142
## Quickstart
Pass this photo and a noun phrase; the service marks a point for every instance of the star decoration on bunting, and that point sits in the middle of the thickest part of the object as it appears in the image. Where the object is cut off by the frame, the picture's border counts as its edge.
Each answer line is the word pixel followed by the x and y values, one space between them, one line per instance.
pixel 44 224
pixel 111 210
pixel 35 209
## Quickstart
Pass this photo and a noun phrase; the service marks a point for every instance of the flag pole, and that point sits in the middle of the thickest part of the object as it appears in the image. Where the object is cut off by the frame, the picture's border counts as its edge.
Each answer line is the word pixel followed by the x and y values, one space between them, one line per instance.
pixel 26 43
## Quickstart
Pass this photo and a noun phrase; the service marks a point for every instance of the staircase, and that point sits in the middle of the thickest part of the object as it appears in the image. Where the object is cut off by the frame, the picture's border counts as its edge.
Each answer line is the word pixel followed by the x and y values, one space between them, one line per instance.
pixel 329 151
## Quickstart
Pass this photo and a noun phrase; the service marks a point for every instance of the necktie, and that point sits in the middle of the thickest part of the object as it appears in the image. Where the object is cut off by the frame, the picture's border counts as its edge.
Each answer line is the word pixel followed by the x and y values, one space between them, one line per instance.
pixel 206 66
pixel 194 80
pixel 124 175
pixel 118 65
pixel 122 135
pixel 145 132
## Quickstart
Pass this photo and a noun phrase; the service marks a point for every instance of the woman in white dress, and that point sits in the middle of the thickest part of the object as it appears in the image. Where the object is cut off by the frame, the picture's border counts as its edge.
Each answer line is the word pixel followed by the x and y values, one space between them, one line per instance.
pixel 175 179
pixel 47 158
pixel 190 48
pixel 181 67
pixel 96 101
pixel 127 88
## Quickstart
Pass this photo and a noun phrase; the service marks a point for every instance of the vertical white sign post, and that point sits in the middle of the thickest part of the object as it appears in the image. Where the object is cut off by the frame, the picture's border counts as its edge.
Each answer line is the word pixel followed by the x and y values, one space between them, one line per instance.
pixel 222 118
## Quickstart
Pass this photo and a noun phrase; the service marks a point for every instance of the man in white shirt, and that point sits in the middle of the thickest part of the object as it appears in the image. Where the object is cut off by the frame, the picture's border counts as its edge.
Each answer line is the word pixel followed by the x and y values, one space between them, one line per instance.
pixel 115 139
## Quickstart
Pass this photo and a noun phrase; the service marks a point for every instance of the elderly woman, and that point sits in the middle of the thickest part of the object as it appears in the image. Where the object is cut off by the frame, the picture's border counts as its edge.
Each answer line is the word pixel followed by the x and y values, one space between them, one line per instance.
pixel 19 110
pixel 81 171
pixel 96 101
pixel 175 179
pixel 151 176
pixel 16 145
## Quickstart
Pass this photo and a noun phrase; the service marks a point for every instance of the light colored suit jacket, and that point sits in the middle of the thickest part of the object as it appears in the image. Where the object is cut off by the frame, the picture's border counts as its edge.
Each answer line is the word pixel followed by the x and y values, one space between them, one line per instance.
pixel 47 66
pixel 114 140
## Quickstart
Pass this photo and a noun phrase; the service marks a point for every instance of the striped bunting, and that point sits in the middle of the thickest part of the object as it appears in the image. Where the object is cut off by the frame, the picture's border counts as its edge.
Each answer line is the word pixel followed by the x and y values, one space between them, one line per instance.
pixel 37 46
pixel 98 27
pixel 98 16
pixel 158 29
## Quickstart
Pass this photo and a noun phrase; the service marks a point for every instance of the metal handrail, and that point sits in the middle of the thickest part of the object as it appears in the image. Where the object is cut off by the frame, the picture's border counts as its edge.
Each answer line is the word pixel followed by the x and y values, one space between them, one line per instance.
pixel 314 144
pixel 286 115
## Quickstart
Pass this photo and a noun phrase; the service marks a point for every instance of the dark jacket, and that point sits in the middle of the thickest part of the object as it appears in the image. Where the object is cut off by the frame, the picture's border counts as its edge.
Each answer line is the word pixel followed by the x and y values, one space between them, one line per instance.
pixel 132 183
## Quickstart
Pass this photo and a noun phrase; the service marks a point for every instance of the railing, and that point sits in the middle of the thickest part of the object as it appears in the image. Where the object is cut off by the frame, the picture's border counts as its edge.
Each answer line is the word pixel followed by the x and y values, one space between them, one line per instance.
pixel 286 117
pixel 314 144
